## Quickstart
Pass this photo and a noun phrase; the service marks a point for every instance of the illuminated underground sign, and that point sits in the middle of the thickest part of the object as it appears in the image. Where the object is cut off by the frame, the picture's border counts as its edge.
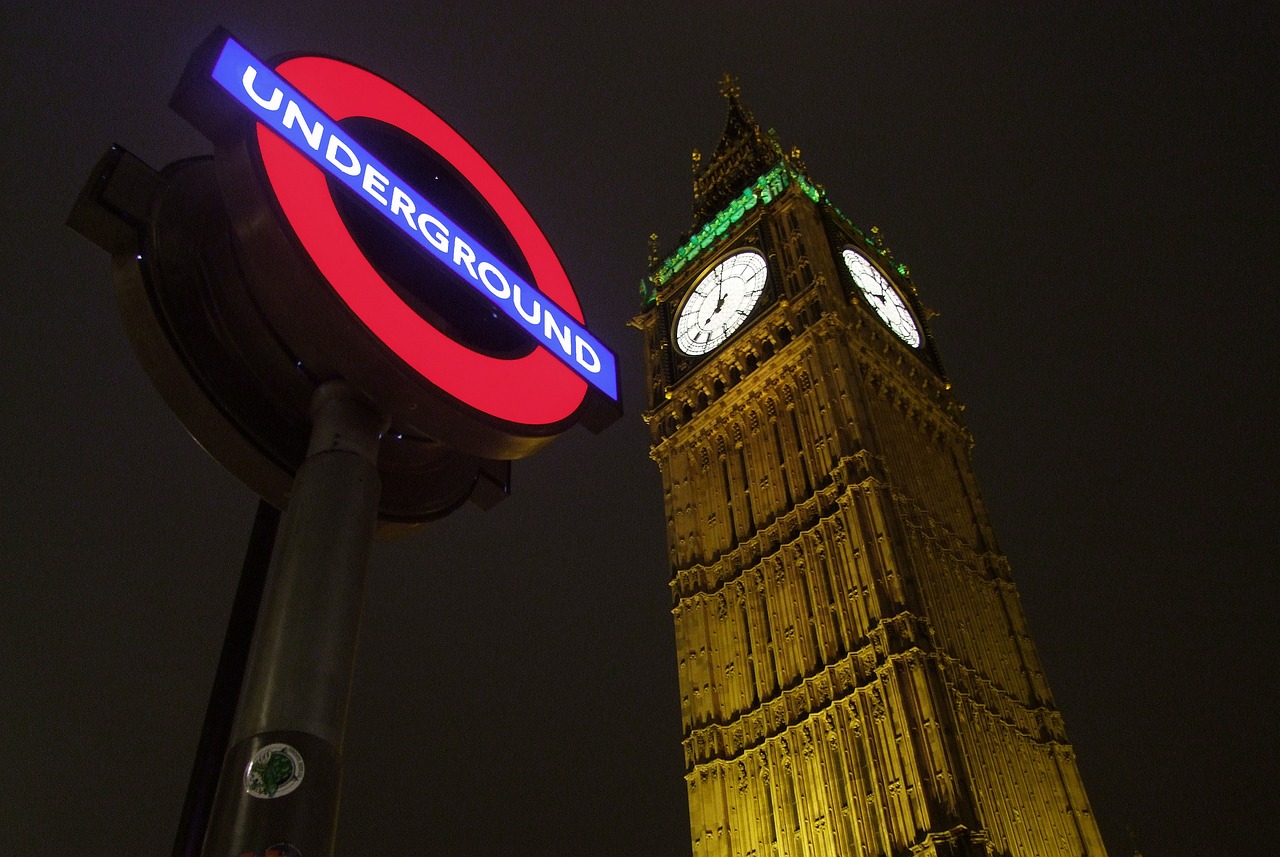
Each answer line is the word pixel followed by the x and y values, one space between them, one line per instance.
pixel 316 134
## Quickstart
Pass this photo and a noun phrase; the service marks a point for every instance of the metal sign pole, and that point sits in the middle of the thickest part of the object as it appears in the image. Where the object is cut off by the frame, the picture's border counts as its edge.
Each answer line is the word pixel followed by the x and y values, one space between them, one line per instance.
pixel 280 779
pixel 237 271
pixel 225 695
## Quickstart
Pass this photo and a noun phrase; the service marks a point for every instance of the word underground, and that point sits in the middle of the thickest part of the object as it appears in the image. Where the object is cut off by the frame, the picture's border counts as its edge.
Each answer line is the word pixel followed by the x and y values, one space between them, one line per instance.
pixel 286 112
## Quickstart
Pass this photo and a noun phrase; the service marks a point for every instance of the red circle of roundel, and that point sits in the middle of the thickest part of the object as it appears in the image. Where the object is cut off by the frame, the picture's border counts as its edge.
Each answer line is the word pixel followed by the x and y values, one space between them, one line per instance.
pixel 535 389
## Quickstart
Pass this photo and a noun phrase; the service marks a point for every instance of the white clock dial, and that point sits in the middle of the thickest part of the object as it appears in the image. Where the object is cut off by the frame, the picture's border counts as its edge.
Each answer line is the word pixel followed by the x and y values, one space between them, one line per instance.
pixel 884 299
pixel 720 302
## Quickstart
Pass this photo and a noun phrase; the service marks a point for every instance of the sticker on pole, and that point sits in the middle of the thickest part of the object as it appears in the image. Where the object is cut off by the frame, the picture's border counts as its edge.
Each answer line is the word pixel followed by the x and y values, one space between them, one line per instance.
pixel 274 771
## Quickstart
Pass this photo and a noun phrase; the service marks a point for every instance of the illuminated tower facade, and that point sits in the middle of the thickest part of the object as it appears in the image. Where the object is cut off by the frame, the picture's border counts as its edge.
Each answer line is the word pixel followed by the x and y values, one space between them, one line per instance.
pixel 856 674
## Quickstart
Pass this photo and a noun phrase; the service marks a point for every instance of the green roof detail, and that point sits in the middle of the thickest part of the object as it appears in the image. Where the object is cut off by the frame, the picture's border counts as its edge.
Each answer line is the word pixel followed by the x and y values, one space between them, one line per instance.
pixel 761 192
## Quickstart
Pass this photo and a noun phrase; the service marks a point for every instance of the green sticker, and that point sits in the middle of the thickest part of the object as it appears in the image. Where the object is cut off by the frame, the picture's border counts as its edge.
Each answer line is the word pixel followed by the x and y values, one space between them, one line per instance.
pixel 274 771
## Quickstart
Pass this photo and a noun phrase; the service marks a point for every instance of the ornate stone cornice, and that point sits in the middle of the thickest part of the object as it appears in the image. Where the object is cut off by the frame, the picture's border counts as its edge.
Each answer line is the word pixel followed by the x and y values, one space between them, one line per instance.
pixel 696 390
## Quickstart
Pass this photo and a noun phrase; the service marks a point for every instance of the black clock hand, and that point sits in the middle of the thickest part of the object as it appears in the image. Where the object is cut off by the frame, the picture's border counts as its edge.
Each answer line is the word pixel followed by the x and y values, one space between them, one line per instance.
pixel 719 303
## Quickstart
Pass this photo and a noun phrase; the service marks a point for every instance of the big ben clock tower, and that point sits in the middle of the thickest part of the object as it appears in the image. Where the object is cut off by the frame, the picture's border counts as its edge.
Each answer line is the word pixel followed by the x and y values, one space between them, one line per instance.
pixel 856 673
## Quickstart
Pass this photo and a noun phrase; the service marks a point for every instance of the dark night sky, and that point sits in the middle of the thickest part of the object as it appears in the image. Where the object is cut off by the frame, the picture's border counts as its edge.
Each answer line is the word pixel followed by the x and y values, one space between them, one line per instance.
pixel 1087 196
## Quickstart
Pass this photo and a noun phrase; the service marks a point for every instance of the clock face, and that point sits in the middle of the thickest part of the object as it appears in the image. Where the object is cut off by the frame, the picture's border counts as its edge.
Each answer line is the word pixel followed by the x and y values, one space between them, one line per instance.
pixel 884 298
pixel 720 303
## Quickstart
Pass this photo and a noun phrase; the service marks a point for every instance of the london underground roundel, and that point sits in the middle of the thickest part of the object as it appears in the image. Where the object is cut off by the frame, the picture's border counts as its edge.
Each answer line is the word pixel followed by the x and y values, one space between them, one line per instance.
pixel 308 113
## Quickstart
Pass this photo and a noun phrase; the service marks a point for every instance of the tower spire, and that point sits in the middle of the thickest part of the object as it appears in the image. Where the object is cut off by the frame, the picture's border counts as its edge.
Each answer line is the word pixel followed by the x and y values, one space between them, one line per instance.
pixel 743 154
pixel 729 86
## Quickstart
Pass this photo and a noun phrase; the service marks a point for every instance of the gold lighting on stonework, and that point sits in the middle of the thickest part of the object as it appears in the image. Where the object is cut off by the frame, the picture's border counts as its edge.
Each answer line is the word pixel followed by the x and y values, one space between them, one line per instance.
pixel 857 678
